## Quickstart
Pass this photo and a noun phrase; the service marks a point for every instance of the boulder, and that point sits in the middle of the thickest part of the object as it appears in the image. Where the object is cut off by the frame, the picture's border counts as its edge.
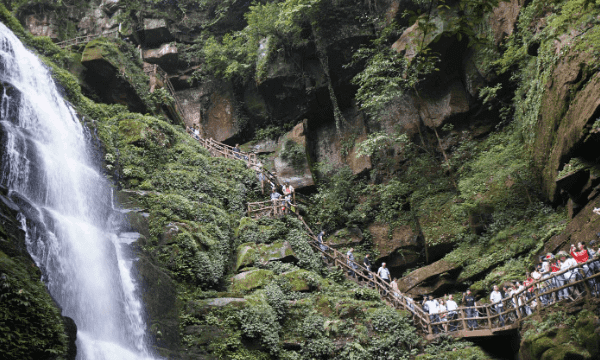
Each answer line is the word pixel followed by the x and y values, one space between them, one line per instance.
pixel 170 232
pixel 346 237
pixel 298 279
pixel 401 250
pixel 298 174
pixel 412 39
pixel 250 254
pixel 426 273
pixel 165 56
pixel 96 21
pixel 438 106
pixel 156 32
pixel 44 24
pixel 110 6
pixel 250 280
pixel 265 146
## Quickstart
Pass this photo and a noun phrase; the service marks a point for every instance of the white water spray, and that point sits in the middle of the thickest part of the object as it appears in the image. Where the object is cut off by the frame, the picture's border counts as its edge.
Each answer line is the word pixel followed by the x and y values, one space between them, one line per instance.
pixel 47 166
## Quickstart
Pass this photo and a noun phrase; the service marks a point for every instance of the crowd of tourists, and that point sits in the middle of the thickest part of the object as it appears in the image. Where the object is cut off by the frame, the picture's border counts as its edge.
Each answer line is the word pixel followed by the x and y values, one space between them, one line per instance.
pixel 518 299
pixel 512 300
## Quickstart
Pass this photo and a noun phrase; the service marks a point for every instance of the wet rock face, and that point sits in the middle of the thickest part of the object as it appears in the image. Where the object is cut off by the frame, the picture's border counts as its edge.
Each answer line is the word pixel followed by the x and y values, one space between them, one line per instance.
pixel 326 146
pixel 290 162
pixel 572 117
pixel 401 251
pixel 160 300
pixel 219 121
pixel 504 18
pixel 44 24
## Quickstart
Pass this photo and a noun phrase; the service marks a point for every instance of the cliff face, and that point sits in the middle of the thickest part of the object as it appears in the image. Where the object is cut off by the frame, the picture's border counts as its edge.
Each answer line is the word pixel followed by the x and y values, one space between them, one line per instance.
pixel 465 176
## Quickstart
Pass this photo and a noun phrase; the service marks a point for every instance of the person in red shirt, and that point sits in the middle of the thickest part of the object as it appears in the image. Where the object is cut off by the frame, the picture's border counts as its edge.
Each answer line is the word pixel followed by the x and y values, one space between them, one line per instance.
pixel 581 255
pixel 554 268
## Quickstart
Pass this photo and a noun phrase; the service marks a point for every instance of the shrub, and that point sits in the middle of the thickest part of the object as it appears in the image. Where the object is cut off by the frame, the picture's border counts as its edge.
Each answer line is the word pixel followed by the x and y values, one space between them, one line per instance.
pixel 260 322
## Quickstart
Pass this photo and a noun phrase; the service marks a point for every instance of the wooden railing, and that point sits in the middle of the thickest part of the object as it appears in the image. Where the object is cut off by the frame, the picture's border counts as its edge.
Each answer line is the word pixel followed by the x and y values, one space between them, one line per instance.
pixel 271 208
pixel 218 149
pixel 86 39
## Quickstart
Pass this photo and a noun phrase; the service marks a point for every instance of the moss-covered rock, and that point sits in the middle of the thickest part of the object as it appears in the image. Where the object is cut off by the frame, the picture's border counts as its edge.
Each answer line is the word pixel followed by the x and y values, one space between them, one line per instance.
pixel 249 280
pixel 31 324
pixel 113 76
pixel 298 279
pixel 250 254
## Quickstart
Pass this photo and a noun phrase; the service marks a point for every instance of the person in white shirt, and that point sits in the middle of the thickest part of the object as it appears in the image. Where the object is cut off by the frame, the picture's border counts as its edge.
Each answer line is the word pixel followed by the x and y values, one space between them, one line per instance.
pixel 395 290
pixel 496 300
pixel 384 273
pixel 434 308
pixel 451 306
pixel 289 190
pixel 567 262
pixel 443 311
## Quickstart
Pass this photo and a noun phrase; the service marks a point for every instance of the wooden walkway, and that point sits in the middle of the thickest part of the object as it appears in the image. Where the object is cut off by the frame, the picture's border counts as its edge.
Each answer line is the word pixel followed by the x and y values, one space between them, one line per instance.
pixel 86 39
pixel 485 320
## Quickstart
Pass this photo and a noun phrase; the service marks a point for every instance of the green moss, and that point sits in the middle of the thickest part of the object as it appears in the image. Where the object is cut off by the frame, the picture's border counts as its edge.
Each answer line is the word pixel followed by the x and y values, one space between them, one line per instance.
pixel 251 280
pixel 298 279
pixel 31 325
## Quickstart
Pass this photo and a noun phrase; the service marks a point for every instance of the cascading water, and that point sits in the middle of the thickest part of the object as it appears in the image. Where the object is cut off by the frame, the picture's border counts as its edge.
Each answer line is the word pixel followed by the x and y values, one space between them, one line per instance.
pixel 48 166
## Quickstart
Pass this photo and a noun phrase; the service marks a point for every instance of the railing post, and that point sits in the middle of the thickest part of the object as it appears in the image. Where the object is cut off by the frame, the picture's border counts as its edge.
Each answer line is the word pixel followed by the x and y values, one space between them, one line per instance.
pixel 585 284
pixel 489 316
pixel 537 300
pixel 517 307
pixel 462 319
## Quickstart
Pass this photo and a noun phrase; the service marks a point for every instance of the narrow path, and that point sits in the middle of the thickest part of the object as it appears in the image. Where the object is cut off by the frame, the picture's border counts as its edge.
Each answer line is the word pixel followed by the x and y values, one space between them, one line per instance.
pixel 86 39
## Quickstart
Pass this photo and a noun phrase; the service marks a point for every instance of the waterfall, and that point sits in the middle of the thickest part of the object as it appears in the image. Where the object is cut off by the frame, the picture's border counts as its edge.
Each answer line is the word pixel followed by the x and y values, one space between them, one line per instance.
pixel 49 168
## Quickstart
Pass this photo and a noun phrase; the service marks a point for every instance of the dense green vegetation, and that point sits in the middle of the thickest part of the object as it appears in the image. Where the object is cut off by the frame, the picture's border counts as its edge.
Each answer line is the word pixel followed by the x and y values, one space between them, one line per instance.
pixel 475 197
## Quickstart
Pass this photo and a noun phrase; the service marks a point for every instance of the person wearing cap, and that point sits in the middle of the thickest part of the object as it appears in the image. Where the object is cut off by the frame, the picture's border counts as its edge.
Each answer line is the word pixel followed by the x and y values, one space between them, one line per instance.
pixel 470 303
